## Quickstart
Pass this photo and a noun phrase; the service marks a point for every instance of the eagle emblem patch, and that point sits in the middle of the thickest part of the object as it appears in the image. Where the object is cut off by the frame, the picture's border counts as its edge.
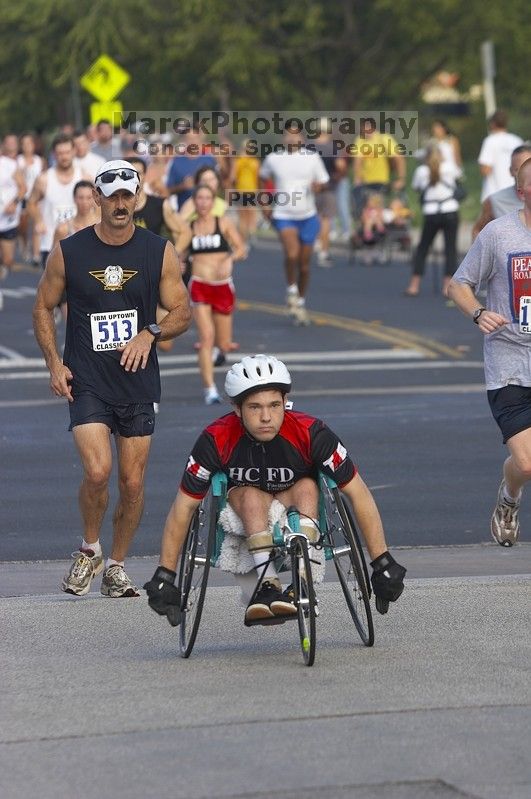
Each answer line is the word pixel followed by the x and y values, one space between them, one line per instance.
pixel 113 277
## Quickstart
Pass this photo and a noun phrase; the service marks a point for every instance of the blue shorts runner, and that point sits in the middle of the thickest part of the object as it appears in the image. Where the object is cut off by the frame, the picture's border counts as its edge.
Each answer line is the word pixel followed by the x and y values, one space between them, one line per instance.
pixel 308 229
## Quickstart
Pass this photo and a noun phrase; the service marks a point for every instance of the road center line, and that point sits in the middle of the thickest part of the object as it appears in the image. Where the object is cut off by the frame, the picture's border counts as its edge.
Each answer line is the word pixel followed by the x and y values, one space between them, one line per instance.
pixel 392 335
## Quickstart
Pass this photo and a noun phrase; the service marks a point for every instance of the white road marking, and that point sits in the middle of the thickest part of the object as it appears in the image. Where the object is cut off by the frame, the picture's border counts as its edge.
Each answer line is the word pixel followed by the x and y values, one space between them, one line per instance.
pixel 31 403
pixel 384 391
pixel 295 367
pixel 20 293
pixel 13 357
pixel 452 388
pixel 19 361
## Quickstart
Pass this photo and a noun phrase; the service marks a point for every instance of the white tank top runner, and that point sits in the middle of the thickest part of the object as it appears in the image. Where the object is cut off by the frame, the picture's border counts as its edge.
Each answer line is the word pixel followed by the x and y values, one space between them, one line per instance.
pixel 8 192
pixel 58 205
pixel 30 171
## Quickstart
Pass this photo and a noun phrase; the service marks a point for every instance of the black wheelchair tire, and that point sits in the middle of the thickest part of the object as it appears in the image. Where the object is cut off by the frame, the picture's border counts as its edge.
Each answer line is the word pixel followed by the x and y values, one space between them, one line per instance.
pixel 306 605
pixel 354 583
pixel 194 567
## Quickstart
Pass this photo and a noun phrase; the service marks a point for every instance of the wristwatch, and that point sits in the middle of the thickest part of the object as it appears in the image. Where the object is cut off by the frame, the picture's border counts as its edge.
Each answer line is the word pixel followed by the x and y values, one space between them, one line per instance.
pixel 477 313
pixel 154 330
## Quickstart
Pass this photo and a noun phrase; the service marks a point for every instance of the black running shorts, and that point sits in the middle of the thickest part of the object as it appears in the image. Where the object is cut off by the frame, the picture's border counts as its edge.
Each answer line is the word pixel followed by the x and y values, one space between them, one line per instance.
pixel 125 420
pixel 511 407
pixel 9 235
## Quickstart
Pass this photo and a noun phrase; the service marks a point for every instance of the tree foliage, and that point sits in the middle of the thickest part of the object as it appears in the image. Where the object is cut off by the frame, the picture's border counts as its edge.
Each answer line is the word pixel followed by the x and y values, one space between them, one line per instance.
pixel 210 54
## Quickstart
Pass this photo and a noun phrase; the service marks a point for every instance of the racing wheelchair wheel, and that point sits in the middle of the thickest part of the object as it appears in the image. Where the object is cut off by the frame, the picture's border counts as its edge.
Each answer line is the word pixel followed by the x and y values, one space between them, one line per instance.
pixel 304 596
pixel 194 566
pixel 342 538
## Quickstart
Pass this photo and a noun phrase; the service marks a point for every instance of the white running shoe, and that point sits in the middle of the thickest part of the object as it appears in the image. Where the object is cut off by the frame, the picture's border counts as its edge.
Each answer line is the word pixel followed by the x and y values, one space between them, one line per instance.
pixel 324 259
pixel 301 316
pixel 116 584
pixel 211 396
pixel 218 357
pixel 505 525
pixel 85 567
pixel 292 299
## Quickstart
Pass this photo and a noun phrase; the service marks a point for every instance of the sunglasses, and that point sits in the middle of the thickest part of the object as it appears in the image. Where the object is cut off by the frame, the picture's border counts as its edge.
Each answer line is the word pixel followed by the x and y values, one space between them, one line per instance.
pixel 122 174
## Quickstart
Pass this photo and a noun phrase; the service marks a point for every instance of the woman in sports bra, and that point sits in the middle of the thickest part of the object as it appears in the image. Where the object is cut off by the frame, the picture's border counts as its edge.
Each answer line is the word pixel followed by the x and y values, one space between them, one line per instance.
pixel 213 244
pixel 205 176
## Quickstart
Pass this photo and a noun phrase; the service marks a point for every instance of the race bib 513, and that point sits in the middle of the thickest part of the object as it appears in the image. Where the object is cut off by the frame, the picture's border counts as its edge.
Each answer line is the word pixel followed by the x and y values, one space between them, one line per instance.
pixel 112 329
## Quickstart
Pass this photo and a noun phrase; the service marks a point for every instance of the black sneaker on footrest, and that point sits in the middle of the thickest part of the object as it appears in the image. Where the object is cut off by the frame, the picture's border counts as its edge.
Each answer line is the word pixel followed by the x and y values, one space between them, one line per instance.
pixel 269 605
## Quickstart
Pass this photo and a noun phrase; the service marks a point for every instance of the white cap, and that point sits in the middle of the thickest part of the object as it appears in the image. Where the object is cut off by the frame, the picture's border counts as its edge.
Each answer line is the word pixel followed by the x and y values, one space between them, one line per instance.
pixel 118 184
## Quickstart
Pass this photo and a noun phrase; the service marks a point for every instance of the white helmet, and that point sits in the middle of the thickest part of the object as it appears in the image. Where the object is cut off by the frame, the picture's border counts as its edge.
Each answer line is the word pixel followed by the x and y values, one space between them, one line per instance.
pixel 256 373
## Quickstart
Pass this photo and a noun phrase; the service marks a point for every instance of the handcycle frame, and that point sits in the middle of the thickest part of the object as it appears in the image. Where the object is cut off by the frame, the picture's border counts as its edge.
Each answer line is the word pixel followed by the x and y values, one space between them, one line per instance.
pixel 338 537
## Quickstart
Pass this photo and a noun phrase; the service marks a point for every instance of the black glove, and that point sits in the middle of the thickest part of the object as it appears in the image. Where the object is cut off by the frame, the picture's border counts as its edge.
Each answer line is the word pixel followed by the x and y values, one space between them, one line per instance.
pixel 163 596
pixel 387 580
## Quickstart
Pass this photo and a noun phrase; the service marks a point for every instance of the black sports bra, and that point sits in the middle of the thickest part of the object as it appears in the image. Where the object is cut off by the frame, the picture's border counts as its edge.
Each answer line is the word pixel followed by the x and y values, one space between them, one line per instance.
pixel 209 242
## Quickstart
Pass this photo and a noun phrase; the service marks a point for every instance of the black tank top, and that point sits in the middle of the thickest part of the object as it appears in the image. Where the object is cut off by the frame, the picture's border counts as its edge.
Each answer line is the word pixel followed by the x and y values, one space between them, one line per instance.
pixel 209 242
pixel 112 292
pixel 150 216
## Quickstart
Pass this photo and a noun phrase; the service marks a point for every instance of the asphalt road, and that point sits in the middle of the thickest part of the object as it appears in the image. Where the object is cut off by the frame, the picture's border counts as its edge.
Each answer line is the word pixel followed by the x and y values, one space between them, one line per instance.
pixel 399 379
pixel 95 700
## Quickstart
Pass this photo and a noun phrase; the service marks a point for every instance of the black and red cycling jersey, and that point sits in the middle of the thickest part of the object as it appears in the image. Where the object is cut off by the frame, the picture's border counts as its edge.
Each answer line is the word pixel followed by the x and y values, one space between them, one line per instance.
pixel 303 446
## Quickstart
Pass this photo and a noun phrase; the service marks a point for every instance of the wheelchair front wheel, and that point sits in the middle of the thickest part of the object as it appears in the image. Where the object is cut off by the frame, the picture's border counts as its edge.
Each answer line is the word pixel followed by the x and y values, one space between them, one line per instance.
pixel 194 567
pixel 305 600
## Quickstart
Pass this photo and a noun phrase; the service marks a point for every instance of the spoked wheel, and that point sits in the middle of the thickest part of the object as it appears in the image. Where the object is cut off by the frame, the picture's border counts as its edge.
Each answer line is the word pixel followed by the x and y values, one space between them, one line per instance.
pixel 304 596
pixel 194 566
pixel 349 561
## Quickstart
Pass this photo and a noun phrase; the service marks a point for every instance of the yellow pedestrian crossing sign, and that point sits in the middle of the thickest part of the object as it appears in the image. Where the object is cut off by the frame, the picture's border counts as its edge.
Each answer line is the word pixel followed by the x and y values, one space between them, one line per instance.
pixel 105 79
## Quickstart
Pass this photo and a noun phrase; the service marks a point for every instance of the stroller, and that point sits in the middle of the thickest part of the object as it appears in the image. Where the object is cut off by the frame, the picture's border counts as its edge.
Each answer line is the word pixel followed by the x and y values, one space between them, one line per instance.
pixel 384 230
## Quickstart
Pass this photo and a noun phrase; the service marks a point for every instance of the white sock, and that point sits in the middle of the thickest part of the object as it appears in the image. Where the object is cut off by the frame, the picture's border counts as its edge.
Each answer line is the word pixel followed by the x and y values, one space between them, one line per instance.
pixel 293 289
pixel 95 547
pixel 112 562
pixel 260 558
pixel 507 496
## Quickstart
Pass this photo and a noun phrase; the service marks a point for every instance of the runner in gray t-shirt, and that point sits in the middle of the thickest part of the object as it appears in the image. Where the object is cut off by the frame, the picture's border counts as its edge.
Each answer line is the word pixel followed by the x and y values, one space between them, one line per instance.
pixel 501 256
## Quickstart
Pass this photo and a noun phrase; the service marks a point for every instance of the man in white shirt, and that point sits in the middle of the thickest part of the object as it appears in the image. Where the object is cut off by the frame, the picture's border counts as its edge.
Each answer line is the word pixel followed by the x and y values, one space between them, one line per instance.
pixel 88 161
pixel 52 199
pixel 12 191
pixel 495 155
pixel 298 174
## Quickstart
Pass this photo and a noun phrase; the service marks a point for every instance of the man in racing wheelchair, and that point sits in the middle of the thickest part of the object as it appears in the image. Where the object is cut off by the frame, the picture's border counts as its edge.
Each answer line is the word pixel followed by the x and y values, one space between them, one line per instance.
pixel 268 452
